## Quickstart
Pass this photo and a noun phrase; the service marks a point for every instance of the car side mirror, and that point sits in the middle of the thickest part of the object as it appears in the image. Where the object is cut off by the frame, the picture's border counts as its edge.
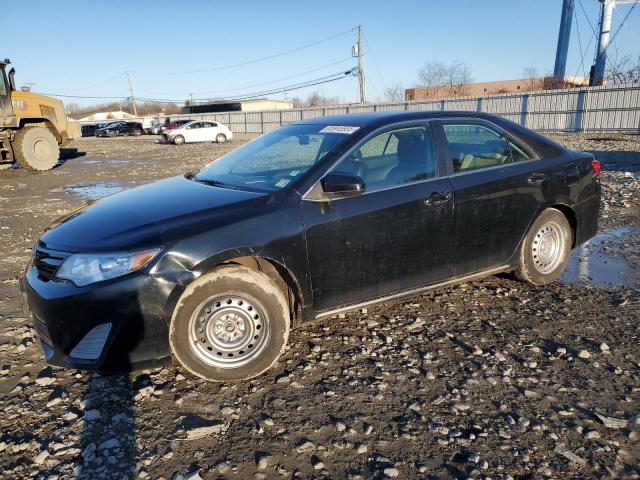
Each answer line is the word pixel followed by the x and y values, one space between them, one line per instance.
pixel 342 184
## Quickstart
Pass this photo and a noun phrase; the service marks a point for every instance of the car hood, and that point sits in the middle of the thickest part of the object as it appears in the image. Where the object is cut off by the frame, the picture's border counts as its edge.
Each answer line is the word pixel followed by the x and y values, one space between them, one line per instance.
pixel 151 215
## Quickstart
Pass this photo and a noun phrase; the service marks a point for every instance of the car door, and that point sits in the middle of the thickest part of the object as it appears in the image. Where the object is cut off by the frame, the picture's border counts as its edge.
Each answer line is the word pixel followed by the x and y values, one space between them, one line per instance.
pixel 396 235
pixel 193 132
pixel 499 185
pixel 208 131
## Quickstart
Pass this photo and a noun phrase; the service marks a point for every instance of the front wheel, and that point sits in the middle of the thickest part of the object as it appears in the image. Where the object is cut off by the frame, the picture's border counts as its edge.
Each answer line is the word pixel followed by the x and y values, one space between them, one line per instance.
pixel 178 139
pixel 113 134
pixel 230 325
pixel 221 138
pixel 36 148
pixel 546 249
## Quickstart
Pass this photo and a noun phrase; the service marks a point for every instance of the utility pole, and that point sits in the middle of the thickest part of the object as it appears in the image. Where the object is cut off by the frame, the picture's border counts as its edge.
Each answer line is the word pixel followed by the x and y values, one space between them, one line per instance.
pixel 597 75
pixel 133 99
pixel 361 79
pixel 563 41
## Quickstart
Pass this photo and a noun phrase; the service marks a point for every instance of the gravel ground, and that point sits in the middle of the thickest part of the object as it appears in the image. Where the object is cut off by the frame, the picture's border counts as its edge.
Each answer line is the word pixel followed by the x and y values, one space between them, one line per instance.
pixel 487 379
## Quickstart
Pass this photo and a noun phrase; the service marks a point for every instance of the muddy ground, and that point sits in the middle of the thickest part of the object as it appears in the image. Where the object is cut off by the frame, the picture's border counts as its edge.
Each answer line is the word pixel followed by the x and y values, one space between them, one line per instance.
pixel 488 379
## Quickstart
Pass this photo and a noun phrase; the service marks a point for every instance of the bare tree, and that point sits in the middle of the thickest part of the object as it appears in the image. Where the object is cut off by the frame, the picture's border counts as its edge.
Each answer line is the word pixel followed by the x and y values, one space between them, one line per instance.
pixel 623 70
pixel 393 94
pixel 143 108
pixel 316 99
pixel 445 79
pixel 532 75
pixel 297 102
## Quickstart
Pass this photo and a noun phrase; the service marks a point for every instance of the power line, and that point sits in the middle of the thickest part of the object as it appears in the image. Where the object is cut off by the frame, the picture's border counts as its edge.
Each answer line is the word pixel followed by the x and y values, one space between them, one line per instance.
pixel 246 87
pixel 101 109
pixel 586 50
pixel 626 17
pixel 248 62
pixel 297 86
pixel 82 96
pixel 103 83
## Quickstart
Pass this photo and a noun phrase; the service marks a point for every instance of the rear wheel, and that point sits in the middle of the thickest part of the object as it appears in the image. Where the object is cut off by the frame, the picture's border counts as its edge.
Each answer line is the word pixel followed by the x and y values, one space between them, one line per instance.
pixel 36 148
pixel 137 133
pixel 546 249
pixel 230 325
pixel 178 139
pixel 221 138
pixel 113 133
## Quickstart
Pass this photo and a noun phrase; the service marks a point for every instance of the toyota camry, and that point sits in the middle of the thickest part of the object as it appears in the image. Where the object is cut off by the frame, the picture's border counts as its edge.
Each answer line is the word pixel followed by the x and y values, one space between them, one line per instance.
pixel 213 268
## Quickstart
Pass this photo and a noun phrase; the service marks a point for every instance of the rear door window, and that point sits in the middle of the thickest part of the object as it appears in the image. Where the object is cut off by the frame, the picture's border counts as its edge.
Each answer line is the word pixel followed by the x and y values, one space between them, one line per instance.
pixel 474 146
pixel 520 153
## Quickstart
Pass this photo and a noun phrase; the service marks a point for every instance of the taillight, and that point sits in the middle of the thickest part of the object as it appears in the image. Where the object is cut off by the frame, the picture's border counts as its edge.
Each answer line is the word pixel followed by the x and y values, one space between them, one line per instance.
pixel 596 166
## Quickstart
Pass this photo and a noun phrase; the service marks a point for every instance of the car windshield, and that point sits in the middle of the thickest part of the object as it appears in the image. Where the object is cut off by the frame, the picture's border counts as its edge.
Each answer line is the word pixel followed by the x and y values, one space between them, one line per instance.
pixel 273 161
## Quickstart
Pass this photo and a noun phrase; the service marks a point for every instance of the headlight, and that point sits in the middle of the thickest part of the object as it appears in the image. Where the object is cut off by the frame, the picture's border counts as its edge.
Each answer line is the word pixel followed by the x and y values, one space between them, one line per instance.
pixel 86 268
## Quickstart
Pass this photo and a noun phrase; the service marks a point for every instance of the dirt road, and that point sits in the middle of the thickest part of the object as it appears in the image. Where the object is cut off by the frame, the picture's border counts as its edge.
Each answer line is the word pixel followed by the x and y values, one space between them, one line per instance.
pixel 488 379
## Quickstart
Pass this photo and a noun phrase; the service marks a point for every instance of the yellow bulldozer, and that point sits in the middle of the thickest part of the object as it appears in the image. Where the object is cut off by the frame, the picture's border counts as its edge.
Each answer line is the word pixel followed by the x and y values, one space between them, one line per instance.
pixel 32 127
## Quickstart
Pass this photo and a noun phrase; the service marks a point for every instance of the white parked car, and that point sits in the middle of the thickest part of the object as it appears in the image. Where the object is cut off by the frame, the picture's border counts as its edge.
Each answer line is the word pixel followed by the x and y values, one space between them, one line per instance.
pixel 199 131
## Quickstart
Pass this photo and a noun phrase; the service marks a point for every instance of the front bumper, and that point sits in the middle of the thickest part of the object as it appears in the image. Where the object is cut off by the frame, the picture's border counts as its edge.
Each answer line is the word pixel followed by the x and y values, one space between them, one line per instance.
pixel 113 325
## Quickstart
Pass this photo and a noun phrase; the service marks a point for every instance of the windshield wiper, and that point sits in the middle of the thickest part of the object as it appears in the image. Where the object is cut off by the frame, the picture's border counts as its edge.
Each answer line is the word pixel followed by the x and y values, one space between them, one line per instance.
pixel 215 183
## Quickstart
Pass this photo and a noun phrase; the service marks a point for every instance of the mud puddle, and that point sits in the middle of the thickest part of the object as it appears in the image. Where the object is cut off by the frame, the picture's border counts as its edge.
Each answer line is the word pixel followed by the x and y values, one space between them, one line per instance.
pixel 601 262
pixel 95 191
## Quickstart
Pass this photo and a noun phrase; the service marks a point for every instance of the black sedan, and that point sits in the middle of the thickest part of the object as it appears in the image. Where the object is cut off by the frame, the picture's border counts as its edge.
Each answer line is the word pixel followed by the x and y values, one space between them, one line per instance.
pixel 120 128
pixel 311 220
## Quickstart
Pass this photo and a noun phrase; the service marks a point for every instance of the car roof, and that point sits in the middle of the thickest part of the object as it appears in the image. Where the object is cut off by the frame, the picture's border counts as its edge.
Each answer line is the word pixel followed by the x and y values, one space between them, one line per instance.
pixel 380 118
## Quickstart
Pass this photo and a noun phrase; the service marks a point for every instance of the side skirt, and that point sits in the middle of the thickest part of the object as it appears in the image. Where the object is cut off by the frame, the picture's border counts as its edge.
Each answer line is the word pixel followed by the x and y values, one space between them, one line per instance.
pixel 408 293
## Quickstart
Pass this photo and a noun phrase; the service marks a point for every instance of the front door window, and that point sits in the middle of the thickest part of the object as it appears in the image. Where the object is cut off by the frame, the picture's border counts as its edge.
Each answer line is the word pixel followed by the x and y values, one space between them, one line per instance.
pixel 393 158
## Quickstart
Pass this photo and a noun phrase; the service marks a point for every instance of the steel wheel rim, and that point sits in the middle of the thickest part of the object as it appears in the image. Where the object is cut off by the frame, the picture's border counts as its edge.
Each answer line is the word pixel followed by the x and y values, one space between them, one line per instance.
pixel 221 138
pixel 547 248
pixel 229 331
pixel 41 148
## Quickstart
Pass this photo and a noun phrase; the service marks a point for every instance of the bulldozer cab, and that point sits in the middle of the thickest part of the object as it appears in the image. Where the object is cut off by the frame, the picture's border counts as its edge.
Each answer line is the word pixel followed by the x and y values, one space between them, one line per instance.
pixel 6 108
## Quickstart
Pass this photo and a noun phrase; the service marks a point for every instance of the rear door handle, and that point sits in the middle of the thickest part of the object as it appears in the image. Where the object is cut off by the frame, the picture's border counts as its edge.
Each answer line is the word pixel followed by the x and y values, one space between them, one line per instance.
pixel 537 178
pixel 437 198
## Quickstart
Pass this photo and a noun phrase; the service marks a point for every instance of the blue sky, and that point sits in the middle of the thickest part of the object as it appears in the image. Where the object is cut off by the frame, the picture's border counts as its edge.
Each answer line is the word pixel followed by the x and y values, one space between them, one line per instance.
pixel 83 47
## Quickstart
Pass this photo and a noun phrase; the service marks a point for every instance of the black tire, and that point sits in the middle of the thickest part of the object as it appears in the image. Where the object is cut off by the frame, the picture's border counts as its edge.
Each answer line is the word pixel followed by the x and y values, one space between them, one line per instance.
pixel 113 133
pixel 546 249
pixel 36 148
pixel 221 138
pixel 137 133
pixel 178 140
pixel 213 301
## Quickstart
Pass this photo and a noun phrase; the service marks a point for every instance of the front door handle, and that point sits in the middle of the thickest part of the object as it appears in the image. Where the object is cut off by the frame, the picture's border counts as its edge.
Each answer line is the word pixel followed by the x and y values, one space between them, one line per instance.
pixel 537 178
pixel 437 198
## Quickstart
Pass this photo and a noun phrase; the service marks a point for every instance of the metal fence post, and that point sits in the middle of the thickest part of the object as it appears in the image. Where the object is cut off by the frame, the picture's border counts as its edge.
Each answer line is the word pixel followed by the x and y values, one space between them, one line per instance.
pixel 479 104
pixel 524 109
pixel 261 122
pixel 245 122
pixel 577 126
pixel 443 104
pixel 280 117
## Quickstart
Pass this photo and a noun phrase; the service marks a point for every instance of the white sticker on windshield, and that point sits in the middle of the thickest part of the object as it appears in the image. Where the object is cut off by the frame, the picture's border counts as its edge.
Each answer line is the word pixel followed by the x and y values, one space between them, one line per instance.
pixel 282 183
pixel 339 129
pixel 294 173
